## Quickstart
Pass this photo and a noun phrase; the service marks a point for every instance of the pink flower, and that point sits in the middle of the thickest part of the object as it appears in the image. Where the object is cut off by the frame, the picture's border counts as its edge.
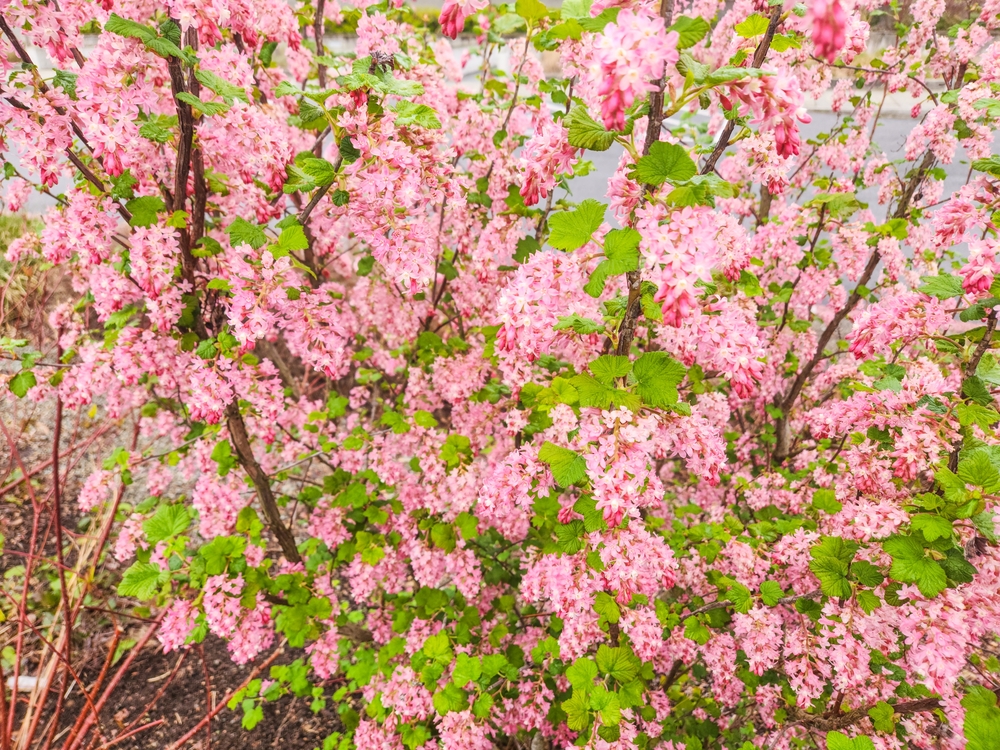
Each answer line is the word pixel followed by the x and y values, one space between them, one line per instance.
pixel 829 21
pixel 629 56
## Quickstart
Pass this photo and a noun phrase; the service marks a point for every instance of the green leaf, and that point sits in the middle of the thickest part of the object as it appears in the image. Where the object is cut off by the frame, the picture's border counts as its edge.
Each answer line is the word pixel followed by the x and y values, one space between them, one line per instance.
pixel 944 286
pixel 741 598
pixel 166 48
pixel 320 171
pixel 618 662
pixel 621 249
pixel 243 232
pixel 868 601
pixel 982 719
pixel 424 419
pixel 586 132
pixel 771 593
pixel 66 81
pixel 881 715
pixel 657 376
pixel 581 673
pixel 526 247
pixel 468 525
pixel 123 27
pixel 530 10
pixel 666 162
pixel 755 25
pixel 973 413
pixel 910 565
pixel 292 239
pixel 169 521
pixel 957 568
pixel 597 24
pixel 866 574
pixel 952 486
pixel 607 705
pixel 144 210
pixel 568 467
pixel 985 525
pixel 22 382
pixel 451 698
pixel 569 536
pixel 931 526
pixel 839 741
pixel 832 575
pixel 785 42
pixel 977 469
pixel 826 500
pixel 410 113
pixel 576 8
pixel 975 389
pixel 206 108
pixel 696 630
pixel 577 710
pixel 988 369
pixel 389 84
pixel 578 324
pixel 606 606
pixel 991 165
pixel 438 648
pixel 467 669
pixel 141 580
pixel 155 132
pixel 228 91
pixel 592 392
pixel 830 563
pixel 690 30
pixel 571 230
pixel 414 735
pixel 483 706
pixel 609 367
pixel 443 536
pixel 455 448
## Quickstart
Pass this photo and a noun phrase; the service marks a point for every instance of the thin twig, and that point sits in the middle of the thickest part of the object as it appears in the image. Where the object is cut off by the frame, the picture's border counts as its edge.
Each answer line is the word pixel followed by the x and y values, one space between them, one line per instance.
pixel 758 59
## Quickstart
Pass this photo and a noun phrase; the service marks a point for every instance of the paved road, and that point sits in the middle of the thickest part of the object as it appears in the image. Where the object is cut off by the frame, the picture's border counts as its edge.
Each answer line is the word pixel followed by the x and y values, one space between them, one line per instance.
pixel 890 135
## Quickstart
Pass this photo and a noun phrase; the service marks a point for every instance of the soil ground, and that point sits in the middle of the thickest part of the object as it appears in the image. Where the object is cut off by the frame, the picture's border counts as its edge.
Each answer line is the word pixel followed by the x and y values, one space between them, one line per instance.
pixel 288 723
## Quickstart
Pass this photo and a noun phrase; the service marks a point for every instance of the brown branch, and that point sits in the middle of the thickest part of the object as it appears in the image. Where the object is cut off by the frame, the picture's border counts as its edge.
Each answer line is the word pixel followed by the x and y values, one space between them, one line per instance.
pixel 633 279
pixel 197 160
pixel 131 733
pixel 786 403
pixel 22 53
pixel 63 588
pixel 758 59
pixel 244 453
pixel 836 723
pixel 182 165
pixel 722 603
pixel 318 34
pixel 76 737
pixel 4 734
pixel 970 369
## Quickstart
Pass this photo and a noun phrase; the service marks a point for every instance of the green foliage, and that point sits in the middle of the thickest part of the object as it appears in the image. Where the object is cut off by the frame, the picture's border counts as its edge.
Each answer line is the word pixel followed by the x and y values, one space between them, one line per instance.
pixel 568 467
pixel 910 564
pixel 571 230
pixel 666 162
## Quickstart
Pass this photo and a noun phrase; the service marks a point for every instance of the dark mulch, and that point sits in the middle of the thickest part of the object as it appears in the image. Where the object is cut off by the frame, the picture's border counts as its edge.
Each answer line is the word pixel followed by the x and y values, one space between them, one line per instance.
pixel 288 723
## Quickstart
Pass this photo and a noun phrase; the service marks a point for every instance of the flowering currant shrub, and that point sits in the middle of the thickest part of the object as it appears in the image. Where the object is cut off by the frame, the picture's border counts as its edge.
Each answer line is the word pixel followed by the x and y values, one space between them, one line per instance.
pixel 713 464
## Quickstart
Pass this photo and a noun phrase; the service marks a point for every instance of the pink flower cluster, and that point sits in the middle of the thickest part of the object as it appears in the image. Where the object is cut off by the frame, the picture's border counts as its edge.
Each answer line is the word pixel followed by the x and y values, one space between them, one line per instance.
pixel 628 58
pixel 775 102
